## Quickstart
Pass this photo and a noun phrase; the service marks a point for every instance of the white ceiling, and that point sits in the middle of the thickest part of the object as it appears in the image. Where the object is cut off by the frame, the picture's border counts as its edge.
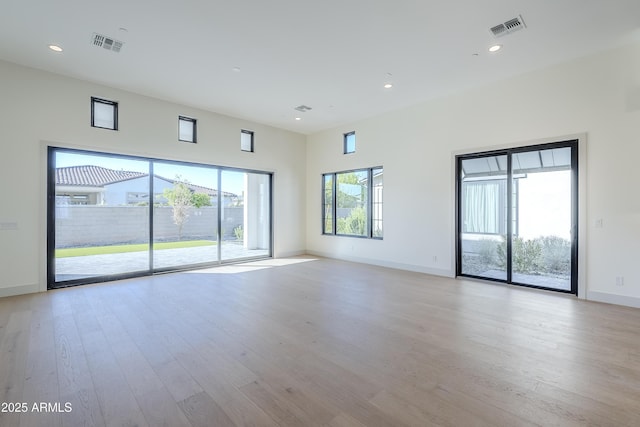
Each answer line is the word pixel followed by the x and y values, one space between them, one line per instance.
pixel 332 55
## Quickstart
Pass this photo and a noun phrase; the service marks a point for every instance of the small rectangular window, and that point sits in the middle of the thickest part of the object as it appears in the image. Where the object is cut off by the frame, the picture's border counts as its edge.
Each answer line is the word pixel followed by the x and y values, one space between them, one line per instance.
pixel 246 140
pixel 376 203
pixel 327 203
pixel 349 142
pixel 186 129
pixel 104 113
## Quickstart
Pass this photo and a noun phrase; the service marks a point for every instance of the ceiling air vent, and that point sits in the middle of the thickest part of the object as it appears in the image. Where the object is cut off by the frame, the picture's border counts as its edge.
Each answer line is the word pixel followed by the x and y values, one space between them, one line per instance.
pixel 302 108
pixel 105 42
pixel 511 26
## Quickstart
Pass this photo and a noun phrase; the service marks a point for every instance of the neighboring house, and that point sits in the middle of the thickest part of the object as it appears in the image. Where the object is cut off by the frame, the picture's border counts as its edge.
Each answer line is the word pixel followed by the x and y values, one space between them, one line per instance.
pixel 95 185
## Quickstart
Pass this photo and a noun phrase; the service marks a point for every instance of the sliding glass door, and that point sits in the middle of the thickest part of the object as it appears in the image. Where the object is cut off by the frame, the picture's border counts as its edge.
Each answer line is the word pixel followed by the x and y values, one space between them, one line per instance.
pixel 185 215
pixel 483 211
pixel 111 216
pixel 245 214
pixel 101 210
pixel 543 204
pixel 517 216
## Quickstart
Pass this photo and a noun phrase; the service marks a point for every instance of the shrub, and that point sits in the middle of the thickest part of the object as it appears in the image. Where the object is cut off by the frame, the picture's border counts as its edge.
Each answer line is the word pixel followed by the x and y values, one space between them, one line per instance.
pixel 487 250
pixel 556 254
pixel 239 232
pixel 355 223
pixel 543 255
pixel 527 256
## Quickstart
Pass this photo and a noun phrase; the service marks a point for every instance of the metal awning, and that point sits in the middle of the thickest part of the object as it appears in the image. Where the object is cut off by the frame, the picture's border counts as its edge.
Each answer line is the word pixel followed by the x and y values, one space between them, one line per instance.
pixel 523 162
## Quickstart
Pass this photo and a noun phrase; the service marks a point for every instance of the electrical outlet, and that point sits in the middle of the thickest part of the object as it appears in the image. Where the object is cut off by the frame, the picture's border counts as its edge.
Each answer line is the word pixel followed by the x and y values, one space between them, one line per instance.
pixel 599 223
pixel 435 258
pixel 619 281
pixel 8 225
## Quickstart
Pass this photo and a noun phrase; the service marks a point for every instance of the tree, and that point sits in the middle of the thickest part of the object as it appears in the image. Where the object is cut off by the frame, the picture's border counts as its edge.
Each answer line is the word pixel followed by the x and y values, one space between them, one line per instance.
pixel 200 199
pixel 347 199
pixel 355 223
pixel 180 198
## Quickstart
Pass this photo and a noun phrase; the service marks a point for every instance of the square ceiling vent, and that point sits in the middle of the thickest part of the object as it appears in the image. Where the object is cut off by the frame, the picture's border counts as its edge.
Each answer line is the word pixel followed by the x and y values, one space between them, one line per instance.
pixel 108 43
pixel 302 108
pixel 508 27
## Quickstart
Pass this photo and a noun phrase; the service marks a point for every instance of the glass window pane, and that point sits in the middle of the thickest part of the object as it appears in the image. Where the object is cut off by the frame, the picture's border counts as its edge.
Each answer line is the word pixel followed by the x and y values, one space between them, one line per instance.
pixel 246 140
pixel 104 207
pixel 541 244
pixel 349 142
pixel 101 216
pixel 327 216
pixel 185 216
pixel 186 129
pixel 376 202
pixel 483 210
pixel 103 115
pixel 246 221
pixel 351 204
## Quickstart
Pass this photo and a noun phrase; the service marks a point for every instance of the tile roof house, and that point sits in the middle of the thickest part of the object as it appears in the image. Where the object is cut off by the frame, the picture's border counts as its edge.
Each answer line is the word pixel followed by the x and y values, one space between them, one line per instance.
pixel 96 185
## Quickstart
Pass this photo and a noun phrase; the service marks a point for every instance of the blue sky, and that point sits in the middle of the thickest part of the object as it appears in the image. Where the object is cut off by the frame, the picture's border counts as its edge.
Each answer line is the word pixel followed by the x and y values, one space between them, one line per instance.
pixel 232 181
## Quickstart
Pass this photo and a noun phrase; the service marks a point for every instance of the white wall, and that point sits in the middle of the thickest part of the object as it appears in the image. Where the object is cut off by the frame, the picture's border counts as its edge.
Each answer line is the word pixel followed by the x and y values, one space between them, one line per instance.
pixel 37 108
pixel 598 96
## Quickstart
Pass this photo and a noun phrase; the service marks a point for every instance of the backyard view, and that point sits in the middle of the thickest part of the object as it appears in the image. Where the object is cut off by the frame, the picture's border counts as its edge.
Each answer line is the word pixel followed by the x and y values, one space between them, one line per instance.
pixel 104 211
pixel 541 224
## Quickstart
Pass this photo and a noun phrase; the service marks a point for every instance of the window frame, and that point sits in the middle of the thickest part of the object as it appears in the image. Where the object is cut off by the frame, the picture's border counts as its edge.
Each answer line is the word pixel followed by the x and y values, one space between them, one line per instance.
pixel 194 125
pixel 332 205
pixel 52 206
pixel 369 203
pixel 512 228
pixel 373 197
pixel 96 100
pixel 247 132
pixel 345 143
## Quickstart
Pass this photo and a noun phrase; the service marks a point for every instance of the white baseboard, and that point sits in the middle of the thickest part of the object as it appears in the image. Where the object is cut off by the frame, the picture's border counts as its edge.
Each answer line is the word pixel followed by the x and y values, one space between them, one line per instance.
pixel 290 254
pixel 613 299
pixel 388 264
pixel 19 290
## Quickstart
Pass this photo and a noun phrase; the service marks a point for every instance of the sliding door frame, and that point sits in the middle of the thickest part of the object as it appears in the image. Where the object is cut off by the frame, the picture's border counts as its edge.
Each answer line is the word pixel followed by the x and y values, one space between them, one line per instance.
pixel 575 178
pixel 51 218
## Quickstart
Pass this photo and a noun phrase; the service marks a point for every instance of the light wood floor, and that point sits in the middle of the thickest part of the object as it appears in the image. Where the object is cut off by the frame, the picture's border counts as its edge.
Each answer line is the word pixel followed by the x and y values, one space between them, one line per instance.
pixel 317 343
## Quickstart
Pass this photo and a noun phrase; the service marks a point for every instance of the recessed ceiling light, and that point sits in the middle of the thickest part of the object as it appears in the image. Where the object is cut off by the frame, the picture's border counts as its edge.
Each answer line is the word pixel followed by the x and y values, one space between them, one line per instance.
pixel 298 118
pixel 388 85
pixel 55 48
pixel 495 48
pixel 236 69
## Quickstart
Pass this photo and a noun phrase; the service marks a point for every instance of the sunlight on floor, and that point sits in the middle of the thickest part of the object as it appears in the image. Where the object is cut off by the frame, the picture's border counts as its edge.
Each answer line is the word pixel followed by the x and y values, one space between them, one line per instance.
pixel 252 266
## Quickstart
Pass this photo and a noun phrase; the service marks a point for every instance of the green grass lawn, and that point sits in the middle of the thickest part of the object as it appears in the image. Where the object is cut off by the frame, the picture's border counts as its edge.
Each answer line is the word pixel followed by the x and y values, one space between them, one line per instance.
pixel 120 249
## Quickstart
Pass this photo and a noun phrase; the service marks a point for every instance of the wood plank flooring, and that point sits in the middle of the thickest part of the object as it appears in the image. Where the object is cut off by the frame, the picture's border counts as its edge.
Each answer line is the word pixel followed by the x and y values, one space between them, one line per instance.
pixel 316 342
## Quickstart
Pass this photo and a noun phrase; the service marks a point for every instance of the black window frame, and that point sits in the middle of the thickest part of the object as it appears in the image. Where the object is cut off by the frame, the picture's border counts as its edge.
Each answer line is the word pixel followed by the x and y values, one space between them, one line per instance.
pixel 114 104
pixel 345 144
pixel 247 132
pixel 373 202
pixel 194 125
pixel 333 191
pixel 51 218
pixel 511 228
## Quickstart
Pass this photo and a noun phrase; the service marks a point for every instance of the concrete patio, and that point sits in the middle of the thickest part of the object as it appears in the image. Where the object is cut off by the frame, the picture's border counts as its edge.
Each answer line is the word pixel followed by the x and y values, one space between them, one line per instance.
pixel 102 265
